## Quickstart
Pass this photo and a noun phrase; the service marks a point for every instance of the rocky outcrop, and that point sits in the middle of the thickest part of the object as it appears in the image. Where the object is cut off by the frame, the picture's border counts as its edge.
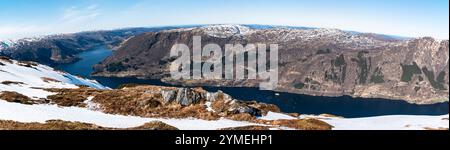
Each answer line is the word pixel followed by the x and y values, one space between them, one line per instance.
pixel 187 96
pixel 156 101
pixel 325 62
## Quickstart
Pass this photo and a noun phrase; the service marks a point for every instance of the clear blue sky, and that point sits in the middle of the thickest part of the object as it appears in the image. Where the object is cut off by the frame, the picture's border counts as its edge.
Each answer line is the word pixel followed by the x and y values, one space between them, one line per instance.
pixel 413 18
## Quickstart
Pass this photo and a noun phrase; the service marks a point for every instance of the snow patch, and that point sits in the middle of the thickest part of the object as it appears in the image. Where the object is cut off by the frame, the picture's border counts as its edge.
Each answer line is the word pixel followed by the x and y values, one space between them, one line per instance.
pixel 226 31
pixel 39 77
pixel 208 107
pixel 391 122
pixel 92 105
pixel 276 116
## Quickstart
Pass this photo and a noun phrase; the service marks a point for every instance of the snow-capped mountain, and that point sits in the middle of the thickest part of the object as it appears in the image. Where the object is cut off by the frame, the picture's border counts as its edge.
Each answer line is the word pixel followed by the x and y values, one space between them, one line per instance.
pixel 11 43
pixel 227 30
pixel 336 62
pixel 62 48
pixel 5 44
pixel 348 39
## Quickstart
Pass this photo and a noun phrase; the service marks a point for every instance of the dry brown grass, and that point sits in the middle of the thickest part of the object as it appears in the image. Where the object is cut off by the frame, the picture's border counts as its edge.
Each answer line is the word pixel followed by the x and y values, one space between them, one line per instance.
pixel 265 108
pixel 48 125
pixel 293 114
pixel 196 111
pixel 137 101
pixel 16 98
pixel 223 106
pixel 440 128
pixel 140 102
pixel 242 117
pixel 66 125
pixel 6 59
pixel 11 82
pixel 248 128
pixel 71 97
pixel 155 125
pixel 304 124
pixel 300 124
pixel 330 116
pixel 128 85
pixel 49 80
pixel 28 64
pixel 219 105
pixel 127 102
pixel 147 101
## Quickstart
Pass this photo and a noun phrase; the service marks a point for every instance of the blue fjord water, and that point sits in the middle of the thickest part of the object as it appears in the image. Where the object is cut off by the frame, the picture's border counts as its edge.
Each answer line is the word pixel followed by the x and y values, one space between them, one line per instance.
pixel 303 104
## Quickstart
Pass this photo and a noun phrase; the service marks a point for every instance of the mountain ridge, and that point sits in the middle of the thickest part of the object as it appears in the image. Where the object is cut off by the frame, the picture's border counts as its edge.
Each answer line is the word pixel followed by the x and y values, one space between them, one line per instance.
pixel 62 48
pixel 393 58
pixel 326 62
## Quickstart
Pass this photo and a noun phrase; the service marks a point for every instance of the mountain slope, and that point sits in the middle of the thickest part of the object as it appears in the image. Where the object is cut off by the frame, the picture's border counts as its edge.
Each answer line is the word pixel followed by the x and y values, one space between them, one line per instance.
pixel 56 49
pixel 34 96
pixel 327 62
pixel 29 79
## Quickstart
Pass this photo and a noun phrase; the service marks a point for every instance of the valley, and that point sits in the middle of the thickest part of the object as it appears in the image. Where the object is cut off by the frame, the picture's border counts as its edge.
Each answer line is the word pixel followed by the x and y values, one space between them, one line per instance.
pixel 343 80
pixel 317 62
pixel 288 102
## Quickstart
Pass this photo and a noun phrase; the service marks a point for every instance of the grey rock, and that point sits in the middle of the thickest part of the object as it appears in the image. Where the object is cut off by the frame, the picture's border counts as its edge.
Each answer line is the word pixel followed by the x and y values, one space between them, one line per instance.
pixel 168 95
pixel 187 96
pixel 211 97
pixel 250 110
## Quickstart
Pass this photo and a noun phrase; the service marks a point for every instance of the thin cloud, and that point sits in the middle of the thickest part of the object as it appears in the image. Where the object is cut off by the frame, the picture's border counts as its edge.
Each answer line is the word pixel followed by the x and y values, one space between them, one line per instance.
pixel 72 19
pixel 16 32
pixel 75 14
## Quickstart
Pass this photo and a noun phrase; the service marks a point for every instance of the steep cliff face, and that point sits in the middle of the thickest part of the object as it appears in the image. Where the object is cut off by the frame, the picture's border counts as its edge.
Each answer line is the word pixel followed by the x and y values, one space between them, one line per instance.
pixel 326 62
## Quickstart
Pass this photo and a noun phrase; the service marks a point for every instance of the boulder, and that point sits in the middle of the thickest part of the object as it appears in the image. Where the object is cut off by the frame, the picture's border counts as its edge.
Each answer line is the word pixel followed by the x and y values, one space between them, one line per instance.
pixel 238 108
pixel 219 95
pixel 168 96
pixel 188 96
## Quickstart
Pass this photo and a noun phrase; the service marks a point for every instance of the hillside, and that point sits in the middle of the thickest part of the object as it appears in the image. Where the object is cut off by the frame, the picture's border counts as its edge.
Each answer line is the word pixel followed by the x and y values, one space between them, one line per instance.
pixel 35 96
pixel 59 49
pixel 313 61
